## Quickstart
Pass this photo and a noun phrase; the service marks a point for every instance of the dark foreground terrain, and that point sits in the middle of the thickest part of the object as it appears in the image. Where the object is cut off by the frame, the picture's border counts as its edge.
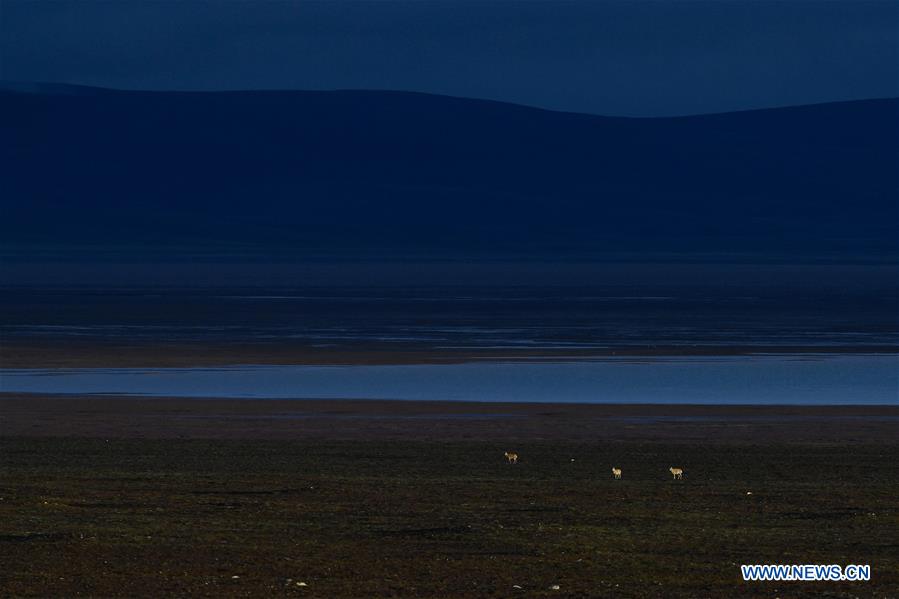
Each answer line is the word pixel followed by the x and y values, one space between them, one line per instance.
pixel 411 500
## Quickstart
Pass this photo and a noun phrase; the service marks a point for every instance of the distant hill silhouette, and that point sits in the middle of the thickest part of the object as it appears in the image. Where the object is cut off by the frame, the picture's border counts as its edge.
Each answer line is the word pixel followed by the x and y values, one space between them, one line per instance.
pixel 394 173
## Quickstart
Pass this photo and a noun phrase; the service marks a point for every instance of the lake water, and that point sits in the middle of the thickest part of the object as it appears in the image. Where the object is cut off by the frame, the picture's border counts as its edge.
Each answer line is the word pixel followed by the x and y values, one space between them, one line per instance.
pixel 775 379
pixel 628 308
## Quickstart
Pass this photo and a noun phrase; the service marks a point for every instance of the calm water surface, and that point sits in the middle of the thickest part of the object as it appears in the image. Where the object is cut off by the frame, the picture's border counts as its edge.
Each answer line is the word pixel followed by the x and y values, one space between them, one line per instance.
pixel 795 379
pixel 706 311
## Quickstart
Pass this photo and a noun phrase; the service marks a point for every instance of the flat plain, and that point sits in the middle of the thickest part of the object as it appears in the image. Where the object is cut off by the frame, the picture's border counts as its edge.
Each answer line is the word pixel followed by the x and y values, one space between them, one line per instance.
pixel 154 497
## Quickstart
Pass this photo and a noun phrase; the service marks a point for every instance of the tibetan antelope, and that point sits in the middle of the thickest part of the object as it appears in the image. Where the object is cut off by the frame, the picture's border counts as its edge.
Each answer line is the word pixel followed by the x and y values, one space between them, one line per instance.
pixel 616 472
pixel 676 472
pixel 512 457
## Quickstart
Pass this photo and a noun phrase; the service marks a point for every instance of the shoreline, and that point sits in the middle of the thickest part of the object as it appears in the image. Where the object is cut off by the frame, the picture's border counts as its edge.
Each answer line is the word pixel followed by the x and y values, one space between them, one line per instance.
pixel 43 415
pixel 102 354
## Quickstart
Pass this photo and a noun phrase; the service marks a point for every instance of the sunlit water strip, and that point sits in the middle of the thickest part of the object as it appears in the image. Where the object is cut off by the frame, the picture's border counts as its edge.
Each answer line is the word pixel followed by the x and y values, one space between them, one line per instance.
pixel 768 379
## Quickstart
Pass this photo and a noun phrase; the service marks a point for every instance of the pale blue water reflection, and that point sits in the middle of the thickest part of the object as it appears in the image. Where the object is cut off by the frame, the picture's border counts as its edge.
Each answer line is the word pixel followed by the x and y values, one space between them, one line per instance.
pixel 795 379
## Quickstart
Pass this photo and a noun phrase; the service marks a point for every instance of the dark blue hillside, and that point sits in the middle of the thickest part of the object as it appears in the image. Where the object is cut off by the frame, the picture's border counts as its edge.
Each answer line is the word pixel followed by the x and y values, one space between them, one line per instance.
pixel 393 173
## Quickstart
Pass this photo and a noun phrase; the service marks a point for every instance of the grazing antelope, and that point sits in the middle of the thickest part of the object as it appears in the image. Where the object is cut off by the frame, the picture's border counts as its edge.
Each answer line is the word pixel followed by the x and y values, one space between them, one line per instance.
pixel 676 472
pixel 616 472
pixel 512 457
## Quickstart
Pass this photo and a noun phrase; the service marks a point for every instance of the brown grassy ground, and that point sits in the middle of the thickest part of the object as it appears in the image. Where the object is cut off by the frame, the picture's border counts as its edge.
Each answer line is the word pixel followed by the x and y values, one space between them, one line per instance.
pixel 410 508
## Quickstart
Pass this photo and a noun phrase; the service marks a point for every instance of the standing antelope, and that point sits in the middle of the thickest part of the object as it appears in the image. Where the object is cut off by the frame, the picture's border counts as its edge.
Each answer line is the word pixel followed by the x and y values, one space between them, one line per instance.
pixel 512 457
pixel 676 472
pixel 616 472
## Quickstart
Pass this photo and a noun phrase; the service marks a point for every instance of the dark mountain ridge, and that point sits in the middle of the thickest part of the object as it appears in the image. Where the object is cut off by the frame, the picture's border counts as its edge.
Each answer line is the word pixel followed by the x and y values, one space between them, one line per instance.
pixel 363 173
